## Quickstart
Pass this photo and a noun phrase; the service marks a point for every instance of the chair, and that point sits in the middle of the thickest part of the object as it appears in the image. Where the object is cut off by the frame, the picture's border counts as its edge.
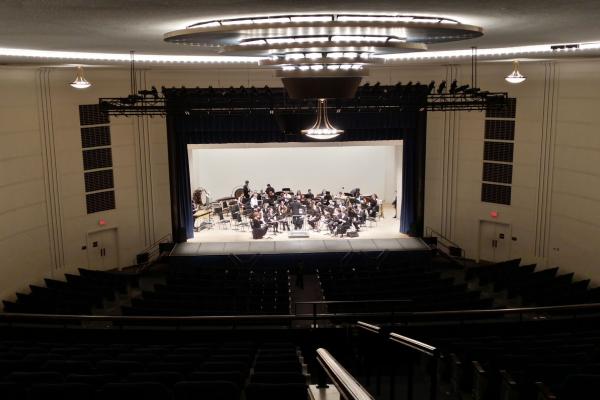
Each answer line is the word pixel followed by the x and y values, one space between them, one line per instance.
pixel 94 380
pixel 67 367
pixel 31 378
pixel 215 390
pixel 61 391
pixel 266 391
pixel 223 376
pixel 277 377
pixel 12 391
pixel 120 368
pixel 137 390
pixel 167 378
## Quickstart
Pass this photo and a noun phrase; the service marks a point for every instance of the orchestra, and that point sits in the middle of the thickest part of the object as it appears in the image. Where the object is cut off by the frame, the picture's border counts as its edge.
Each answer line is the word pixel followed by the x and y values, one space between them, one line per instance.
pixel 269 209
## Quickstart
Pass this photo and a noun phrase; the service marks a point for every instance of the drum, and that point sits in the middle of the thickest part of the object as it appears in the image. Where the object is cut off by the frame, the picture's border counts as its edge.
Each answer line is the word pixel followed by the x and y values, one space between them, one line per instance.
pixel 238 192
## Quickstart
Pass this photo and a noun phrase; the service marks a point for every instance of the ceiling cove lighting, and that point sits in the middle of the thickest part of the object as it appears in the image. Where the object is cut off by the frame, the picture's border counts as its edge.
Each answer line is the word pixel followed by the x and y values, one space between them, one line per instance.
pixel 80 82
pixel 322 129
pixel 515 77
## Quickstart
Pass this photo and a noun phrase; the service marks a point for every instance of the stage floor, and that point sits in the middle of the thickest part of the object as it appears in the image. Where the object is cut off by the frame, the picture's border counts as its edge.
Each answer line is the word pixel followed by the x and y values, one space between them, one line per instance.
pixel 379 236
pixel 386 227
pixel 299 246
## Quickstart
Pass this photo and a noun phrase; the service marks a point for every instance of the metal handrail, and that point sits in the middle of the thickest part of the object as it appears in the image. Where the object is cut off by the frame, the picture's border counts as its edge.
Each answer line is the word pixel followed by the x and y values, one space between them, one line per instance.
pixel 345 383
pixel 429 231
pixel 414 344
pixel 368 327
pixel 291 317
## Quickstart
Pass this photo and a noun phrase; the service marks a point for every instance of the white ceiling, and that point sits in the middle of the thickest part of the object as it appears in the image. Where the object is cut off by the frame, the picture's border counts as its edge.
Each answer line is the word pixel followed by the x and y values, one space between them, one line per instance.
pixel 118 26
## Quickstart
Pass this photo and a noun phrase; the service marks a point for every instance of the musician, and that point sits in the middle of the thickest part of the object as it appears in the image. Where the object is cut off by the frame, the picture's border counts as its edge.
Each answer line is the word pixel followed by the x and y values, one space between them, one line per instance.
pixel 327 197
pixel 246 189
pixel 282 214
pixel 354 218
pixel 355 192
pixel 314 216
pixel 373 206
pixel 269 190
pixel 259 230
pixel 271 219
pixel 309 195
pixel 254 201
pixel 297 211
pixel 343 224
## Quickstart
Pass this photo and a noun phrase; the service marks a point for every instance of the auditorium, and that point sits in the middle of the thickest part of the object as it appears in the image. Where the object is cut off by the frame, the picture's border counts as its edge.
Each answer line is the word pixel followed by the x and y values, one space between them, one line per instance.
pixel 261 200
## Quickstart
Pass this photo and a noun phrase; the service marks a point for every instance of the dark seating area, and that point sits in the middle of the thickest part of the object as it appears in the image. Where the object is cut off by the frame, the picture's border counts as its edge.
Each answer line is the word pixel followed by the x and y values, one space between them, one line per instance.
pixel 77 294
pixel 535 286
pixel 217 290
pixel 425 287
pixel 213 370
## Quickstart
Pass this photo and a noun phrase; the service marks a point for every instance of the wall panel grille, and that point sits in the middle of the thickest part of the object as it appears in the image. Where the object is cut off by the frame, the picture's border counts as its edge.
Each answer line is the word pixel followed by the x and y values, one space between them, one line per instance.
pixel 96 136
pixel 508 112
pixel 99 180
pixel 499 129
pixel 501 173
pixel 97 155
pixel 498 151
pixel 97 158
pixel 90 114
pixel 499 194
pixel 498 154
pixel 101 201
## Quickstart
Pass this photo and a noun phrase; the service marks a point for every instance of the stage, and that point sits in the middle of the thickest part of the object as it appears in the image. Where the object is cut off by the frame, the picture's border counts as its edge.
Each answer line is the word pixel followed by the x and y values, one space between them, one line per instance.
pixel 297 246
pixel 385 227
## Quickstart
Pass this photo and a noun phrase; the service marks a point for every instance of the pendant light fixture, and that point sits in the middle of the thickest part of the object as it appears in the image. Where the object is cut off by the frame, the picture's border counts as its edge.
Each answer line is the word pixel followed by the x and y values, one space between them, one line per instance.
pixel 322 129
pixel 80 82
pixel 515 77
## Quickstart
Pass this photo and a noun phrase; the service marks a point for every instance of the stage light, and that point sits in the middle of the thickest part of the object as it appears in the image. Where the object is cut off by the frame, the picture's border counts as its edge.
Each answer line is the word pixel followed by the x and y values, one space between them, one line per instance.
pixel 515 77
pixel 453 86
pixel 80 82
pixel 322 129
pixel 441 88
pixel 431 87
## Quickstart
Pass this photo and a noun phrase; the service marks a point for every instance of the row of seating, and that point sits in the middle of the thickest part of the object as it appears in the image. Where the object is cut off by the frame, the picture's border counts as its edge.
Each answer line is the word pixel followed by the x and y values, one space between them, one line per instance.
pixel 544 287
pixel 426 289
pixel 196 370
pixel 77 294
pixel 216 291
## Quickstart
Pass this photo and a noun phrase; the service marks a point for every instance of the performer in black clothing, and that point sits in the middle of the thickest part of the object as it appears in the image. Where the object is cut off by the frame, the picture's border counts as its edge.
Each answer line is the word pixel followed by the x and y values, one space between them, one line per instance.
pixel 297 213
pixel 258 230
pixel 246 189
pixel 355 192
pixel 309 195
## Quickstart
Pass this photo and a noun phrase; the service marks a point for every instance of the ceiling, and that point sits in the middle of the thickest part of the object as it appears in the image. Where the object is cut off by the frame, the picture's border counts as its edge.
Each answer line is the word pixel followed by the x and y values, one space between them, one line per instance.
pixel 118 26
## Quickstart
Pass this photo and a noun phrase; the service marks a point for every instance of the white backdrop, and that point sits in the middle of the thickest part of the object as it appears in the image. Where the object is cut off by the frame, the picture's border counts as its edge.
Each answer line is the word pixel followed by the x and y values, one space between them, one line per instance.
pixel 374 169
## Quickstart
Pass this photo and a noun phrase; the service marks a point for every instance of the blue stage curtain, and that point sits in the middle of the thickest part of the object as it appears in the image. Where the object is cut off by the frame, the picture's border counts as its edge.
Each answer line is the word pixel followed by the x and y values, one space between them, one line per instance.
pixel 412 214
pixel 182 219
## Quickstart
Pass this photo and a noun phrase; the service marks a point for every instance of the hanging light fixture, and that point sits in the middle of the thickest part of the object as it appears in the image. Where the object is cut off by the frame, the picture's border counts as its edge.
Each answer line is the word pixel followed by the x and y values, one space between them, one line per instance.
pixel 515 76
pixel 80 82
pixel 322 129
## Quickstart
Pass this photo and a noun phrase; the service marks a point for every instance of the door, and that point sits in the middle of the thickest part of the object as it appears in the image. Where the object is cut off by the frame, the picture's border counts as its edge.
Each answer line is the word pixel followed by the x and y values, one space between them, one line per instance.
pixel 494 241
pixel 102 249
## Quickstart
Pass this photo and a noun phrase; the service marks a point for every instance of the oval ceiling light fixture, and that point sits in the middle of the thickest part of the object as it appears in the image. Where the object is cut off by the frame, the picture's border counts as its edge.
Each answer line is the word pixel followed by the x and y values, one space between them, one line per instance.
pixel 325 50
pixel 515 77
pixel 80 82
pixel 322 128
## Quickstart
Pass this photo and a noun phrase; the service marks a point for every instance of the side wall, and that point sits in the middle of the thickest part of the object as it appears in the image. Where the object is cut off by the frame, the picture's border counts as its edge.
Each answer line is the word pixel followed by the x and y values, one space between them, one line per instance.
pixel 555 207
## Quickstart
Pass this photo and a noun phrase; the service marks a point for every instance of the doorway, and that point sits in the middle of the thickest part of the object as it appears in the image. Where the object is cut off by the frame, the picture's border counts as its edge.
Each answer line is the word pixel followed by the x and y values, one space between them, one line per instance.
pixel 102 249
pixel 494 241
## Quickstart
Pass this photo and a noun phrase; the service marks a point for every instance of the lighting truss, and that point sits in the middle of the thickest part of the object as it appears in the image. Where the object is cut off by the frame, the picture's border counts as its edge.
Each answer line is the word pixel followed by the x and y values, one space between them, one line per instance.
pixel 223 101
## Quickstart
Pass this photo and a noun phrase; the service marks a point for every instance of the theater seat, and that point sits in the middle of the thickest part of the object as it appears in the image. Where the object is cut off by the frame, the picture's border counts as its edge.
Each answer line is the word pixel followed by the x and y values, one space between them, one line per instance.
pixel 129 391
pixel 167 378
pixel 12 391
pixel 278 377
pixel 32 378
pixel 215 390
pixel 61 391
pixel 287 391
